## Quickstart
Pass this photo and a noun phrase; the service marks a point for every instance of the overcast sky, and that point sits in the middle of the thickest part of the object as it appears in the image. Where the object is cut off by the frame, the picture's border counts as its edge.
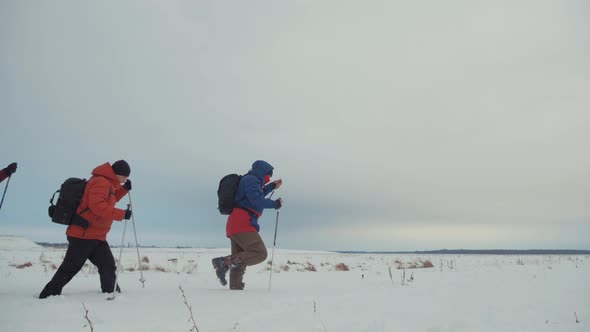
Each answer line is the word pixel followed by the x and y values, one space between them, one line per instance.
pixel 395 125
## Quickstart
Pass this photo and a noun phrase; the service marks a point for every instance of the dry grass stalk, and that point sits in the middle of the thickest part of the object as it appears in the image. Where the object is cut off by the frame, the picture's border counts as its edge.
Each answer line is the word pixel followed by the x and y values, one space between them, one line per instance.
pixel 190 310
pixel 342 267
pixel 88 319
pixel 22 266
pixel 310 267
pixel 159 268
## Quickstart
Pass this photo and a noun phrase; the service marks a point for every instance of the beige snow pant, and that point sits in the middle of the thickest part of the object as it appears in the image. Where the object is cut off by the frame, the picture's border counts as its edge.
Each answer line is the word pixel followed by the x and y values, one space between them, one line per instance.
pixel 246 249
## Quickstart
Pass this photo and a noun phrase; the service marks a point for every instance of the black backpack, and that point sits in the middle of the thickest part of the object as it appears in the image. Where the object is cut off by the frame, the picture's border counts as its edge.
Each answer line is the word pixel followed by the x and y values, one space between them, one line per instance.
pixel 226 193
pixel 64 210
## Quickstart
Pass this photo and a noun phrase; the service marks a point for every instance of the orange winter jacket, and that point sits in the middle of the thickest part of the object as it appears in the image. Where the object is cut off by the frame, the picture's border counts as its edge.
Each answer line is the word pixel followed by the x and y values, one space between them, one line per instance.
pixel 98 204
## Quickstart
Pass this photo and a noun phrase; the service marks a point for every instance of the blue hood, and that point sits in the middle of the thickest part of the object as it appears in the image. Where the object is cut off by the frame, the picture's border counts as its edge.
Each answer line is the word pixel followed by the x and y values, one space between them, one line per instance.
pixel 260 168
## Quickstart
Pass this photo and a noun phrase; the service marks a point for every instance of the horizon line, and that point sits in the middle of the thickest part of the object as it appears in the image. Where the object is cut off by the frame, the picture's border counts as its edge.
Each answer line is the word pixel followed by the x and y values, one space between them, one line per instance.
pixel 434 251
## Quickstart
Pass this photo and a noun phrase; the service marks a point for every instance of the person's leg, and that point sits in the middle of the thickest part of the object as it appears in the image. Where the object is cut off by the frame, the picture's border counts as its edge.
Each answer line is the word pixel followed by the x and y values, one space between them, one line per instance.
pixel 77 253
pixel 103 258
pixel 250 250
pixel 221 265
pixel 253 248
pixel 237 269
pixel 224 263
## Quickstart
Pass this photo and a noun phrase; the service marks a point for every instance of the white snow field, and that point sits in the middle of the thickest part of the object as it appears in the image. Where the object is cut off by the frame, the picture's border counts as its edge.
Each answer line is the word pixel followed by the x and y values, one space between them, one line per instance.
pixel 472 293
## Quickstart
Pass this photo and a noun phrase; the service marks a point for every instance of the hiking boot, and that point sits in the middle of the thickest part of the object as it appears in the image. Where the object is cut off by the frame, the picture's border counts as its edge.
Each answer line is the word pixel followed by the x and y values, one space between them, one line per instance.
pixel 48 290
pixel 118 290
pixel 239 286
pixel 236 275
pixel 45 293
pixel 221 267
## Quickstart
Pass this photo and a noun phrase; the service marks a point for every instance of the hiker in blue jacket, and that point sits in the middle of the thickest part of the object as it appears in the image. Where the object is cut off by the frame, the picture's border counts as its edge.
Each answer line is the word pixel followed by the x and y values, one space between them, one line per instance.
pixel 242 226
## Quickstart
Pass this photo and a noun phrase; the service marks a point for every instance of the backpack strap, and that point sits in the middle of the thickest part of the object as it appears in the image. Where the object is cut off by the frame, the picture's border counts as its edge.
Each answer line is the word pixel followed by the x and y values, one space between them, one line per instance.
pixel 252 211
pixel 52 197
pixel 78 220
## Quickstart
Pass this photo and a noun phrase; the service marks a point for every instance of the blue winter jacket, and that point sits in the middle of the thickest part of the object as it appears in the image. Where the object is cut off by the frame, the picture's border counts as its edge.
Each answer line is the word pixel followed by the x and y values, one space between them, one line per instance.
pixel 251 192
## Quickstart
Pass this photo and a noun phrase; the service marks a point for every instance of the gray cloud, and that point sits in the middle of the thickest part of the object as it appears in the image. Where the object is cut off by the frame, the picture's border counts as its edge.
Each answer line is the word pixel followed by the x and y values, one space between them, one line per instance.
pixel 425 114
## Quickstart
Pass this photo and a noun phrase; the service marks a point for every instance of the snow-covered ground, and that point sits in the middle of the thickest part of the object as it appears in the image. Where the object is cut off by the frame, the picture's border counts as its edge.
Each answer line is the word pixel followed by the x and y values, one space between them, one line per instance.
pixel 460 293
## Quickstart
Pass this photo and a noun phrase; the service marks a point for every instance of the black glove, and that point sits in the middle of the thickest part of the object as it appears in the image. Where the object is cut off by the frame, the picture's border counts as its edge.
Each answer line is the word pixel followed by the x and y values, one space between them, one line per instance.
pixel 279 203
pixel 128 214
pixel 127 185
pixel 10 169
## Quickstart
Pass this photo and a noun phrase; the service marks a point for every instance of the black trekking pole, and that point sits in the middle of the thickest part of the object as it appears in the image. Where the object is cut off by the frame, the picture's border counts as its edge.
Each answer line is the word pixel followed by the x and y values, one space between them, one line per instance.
pixel 136 244
pixel 272 260
pixel 5 188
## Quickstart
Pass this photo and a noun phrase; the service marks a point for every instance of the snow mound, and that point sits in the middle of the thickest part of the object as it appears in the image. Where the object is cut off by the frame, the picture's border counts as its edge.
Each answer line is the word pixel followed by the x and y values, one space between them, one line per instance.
pixel 17 243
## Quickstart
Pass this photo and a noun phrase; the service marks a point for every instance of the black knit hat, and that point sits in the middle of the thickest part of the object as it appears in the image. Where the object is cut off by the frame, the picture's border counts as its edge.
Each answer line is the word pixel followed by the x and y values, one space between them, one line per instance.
pixel 121 167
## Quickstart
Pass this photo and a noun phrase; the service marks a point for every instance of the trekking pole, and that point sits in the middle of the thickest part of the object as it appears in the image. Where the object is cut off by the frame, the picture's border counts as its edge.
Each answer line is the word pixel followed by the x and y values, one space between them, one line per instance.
pixel 119 262
pixel 136 244
pixel 272 260
pixel 5 188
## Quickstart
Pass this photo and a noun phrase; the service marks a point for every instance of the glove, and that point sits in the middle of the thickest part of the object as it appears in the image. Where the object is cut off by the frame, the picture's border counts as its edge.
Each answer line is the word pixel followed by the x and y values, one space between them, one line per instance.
pixel 278 183
pixel 279 203
pixel 127 185
pixel 10 169
pixel 128 214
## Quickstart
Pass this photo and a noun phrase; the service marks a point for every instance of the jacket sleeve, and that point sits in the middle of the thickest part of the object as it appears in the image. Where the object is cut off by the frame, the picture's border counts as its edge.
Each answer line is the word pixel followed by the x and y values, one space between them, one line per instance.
pixel 121 192
pixel 256 196
pixel 98 195
pixel 269 187
pixel 3 175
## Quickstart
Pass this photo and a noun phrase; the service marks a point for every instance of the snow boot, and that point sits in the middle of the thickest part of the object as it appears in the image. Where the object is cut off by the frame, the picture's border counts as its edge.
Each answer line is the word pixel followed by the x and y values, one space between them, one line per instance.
pixel 221 266
pixel 45 293
pixel 237 287
pixel 236 275
pixel 118 290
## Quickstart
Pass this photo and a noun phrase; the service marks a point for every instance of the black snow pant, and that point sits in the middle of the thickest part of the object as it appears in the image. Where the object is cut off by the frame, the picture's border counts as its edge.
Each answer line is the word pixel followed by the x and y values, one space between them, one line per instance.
pixel 79 250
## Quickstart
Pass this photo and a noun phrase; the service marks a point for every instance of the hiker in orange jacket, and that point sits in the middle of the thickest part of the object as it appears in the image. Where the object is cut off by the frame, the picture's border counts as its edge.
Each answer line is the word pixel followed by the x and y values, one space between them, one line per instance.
pixel 97 207
pixel 102 192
